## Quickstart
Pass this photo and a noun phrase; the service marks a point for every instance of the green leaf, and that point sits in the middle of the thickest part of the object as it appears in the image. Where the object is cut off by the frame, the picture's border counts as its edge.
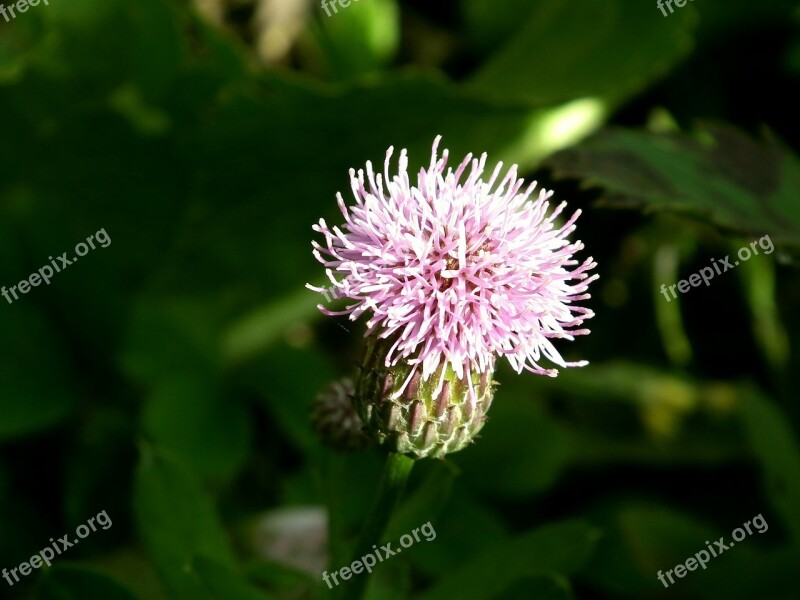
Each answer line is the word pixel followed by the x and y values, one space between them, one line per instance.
pixel 720 176
pixel 642 540
pixel 538 588
pixel 222 583
pixel 455 544
pixel 140 42
pixel 518 427
pixel 277 576
pixel 426 502
pixel 559 548
pixel 190 416
pixel 286 380
pixel 560 50
pixel 176 520
pixel 489 24
pixel 171 335
pixel 264 326
pixel 774 443
pixel 390 581
pixel 63 582
pixel 16 45
pixel 357 39
pixel 349 481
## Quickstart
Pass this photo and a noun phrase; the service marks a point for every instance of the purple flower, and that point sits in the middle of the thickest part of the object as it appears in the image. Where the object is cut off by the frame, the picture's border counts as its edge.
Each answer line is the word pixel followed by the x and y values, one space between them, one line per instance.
pixel 457 270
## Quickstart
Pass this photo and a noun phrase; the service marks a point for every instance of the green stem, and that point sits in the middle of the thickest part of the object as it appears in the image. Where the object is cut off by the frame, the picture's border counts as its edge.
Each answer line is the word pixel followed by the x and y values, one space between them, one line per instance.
pixel 668 310
pixel 395 474
pixel 334 473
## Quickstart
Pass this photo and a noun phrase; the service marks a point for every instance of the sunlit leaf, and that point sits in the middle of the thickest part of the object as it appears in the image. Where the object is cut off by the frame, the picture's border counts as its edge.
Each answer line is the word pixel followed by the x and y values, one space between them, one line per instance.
pixel 560 50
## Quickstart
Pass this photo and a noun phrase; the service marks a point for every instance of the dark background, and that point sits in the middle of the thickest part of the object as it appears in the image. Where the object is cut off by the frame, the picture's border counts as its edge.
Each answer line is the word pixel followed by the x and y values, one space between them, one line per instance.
pixel 167 378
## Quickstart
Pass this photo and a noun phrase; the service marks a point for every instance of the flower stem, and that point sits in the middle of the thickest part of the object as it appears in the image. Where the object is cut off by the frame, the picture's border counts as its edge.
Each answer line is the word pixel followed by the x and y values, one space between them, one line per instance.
pixel 393 479
pixel 333 475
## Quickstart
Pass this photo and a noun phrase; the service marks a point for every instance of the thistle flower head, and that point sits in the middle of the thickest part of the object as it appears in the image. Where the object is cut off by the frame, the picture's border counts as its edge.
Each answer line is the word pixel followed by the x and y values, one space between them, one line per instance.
pixel 455 270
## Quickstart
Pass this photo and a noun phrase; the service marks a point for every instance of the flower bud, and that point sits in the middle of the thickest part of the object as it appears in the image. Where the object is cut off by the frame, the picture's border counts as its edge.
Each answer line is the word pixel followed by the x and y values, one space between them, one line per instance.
pixel 419 421
pixel 334 418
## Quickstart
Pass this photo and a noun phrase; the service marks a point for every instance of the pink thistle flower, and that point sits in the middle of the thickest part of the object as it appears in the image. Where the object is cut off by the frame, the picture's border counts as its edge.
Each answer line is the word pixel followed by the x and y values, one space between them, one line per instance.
pixel 457 270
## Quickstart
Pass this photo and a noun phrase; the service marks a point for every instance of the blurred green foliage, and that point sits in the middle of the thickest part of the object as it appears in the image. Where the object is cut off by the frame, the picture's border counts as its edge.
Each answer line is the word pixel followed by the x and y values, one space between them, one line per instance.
pixel 166 379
